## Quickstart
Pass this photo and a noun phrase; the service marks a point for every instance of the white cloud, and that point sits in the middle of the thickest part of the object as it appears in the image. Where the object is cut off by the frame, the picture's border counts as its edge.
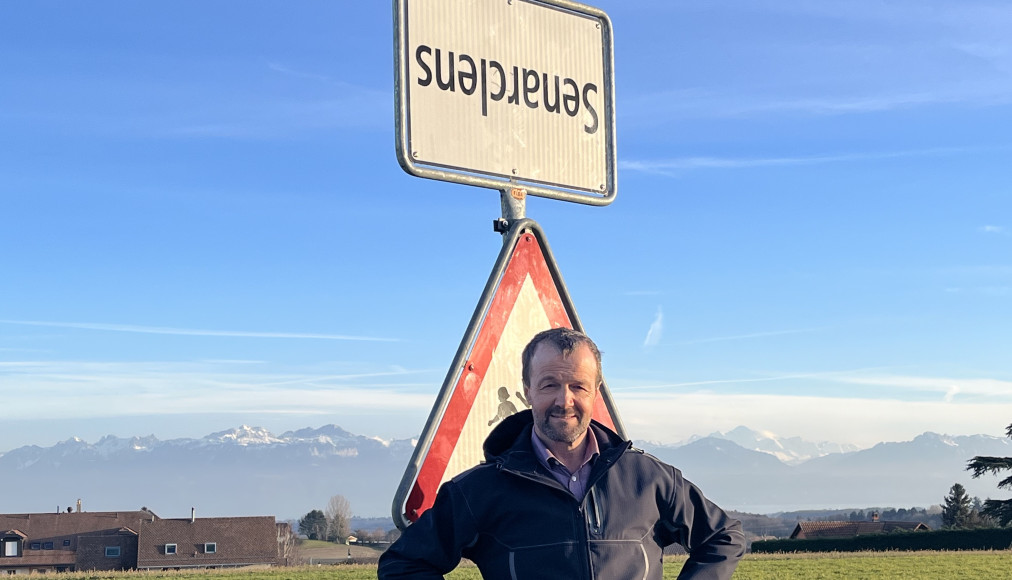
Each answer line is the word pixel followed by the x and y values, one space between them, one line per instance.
pixel 750 335
pixel 711 382
pixel 993 230
pixel 951 393
pixel 656 329
pixel 682 164
pixel 676 105
pixel 945 385
pixel 287 71
pixel 277 118
pixel 889 384
pixel 863 422
pixel 76 390
pixel 194 332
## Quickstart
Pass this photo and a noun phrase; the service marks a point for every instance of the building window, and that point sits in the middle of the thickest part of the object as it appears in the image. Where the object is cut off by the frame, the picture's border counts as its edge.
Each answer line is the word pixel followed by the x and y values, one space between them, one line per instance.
pixel 11 549
pixel 66 542
pixel 211 548
pixel 47 545
pixel 170 549
pixel 35 546
pixel 112 551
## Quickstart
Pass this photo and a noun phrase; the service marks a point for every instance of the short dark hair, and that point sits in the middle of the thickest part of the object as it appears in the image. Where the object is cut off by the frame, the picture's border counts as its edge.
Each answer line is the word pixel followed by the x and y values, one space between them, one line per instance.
pixel 566 340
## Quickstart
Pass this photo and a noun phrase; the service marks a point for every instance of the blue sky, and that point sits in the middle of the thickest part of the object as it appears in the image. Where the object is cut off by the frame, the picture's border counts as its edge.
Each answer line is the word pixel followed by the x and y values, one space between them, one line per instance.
pixel 204 223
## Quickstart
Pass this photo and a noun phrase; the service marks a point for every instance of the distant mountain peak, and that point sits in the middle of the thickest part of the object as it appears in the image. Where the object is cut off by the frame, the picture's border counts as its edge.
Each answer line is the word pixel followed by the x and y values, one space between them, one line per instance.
pixel 244 435
pixel 111 444
pixel 790 450
pixel 325 434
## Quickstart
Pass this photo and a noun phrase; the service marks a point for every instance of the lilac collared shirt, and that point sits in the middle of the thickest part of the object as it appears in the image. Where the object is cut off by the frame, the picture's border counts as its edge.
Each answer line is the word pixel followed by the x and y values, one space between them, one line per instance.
pixel 576 483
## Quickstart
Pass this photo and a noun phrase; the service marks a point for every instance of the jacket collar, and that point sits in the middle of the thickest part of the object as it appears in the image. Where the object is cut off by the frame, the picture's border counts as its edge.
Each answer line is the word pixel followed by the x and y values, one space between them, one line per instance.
pixel 509 444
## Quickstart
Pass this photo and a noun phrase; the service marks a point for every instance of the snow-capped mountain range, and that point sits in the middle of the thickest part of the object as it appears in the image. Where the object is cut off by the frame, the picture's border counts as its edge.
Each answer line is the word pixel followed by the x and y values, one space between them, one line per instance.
pixel 790 450
pixel 251 471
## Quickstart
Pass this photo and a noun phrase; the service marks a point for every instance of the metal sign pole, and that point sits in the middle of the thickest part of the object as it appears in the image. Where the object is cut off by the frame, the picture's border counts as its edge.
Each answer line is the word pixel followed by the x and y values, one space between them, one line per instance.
pixel 514 208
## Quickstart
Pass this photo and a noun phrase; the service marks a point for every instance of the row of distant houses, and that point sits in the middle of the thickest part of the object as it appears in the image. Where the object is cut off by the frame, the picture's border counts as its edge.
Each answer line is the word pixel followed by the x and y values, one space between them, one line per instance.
pixel 140 540
pixel 137 540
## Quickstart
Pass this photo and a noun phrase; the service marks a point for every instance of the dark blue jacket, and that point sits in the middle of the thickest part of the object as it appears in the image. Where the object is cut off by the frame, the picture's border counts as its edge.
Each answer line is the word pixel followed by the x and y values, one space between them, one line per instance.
pixel 515 521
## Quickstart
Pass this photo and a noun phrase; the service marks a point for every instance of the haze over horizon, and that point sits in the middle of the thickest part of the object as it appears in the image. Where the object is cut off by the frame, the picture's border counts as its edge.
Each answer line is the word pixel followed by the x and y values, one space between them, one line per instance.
pixel 782 475
pixel 206 226
pixel 228 431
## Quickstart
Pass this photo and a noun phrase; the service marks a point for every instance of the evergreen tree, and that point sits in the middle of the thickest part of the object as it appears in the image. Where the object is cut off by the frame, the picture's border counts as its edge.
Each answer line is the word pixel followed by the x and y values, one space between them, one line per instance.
pixel 956 509
pixel 314 525
pixel 999 510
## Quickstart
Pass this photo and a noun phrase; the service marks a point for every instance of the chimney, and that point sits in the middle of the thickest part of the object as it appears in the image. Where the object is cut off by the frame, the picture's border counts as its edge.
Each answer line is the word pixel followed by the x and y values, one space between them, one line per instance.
pixel 874 516
pixel 193 515
pixel 78 505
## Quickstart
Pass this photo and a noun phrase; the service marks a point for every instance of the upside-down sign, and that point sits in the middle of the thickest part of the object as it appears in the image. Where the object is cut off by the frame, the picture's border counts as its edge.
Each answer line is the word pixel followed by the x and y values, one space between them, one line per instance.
pixel 524 296
pixel 490 92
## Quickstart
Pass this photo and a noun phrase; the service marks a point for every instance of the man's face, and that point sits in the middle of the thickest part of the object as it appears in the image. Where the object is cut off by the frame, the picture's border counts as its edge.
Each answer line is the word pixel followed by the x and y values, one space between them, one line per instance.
pixel 562 392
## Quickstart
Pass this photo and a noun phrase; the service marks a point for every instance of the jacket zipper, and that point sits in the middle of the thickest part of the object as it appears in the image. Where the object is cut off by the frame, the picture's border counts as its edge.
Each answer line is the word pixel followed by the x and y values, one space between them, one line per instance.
pixel 591 524
pixel 593 512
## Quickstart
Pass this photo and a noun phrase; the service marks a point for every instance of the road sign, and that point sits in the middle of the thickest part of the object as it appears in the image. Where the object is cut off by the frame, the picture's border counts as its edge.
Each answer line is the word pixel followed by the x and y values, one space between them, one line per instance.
pixel 499 92
pixel 524 295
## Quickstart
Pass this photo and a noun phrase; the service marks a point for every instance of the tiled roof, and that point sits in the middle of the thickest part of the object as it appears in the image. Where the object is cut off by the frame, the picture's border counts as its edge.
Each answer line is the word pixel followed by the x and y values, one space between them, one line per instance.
pixel 238 541
pixel 62 527
pixel 808 530
pixel 62 524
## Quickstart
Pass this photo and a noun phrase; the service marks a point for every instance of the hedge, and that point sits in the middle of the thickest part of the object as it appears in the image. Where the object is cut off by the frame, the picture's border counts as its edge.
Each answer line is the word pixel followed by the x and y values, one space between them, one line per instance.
pixel 982 539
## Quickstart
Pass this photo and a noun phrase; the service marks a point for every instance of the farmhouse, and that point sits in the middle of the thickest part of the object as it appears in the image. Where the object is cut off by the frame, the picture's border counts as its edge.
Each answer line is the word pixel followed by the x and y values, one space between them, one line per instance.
pixel 207 543
pixel 69 541
pixel 809 530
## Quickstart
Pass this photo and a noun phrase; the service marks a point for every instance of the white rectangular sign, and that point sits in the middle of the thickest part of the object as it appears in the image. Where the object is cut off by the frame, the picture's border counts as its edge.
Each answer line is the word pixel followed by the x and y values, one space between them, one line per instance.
pixel 508 89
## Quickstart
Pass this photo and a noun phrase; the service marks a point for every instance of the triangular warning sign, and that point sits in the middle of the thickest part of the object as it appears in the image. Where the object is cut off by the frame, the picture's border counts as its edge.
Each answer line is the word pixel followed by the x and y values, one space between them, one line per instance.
pixel 524 295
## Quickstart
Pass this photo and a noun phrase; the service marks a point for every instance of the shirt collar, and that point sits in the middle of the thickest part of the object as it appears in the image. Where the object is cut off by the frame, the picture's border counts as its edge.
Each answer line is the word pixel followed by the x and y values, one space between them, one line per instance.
pixel 544 454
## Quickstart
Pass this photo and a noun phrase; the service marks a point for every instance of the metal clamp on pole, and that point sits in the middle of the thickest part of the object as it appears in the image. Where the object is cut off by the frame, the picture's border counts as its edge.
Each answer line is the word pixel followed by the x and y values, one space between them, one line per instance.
pixel 514 208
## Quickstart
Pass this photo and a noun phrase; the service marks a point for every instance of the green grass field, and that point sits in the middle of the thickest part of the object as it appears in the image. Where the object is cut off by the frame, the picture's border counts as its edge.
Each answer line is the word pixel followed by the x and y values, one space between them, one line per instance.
pixel 874 565
pixel 859 566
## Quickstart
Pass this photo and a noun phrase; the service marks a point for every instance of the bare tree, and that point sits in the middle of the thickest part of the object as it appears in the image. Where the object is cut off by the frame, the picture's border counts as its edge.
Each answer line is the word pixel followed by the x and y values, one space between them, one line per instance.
pixel 288 545
pixel 338 514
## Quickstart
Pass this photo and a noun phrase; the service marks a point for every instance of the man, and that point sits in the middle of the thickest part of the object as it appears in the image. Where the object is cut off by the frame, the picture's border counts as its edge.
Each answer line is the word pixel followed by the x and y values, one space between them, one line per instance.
pixel 561 496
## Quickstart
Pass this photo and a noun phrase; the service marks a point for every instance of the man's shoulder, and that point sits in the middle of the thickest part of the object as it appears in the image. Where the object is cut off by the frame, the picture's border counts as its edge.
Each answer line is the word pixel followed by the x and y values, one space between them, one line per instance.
pixel 476 474
pixel 643 460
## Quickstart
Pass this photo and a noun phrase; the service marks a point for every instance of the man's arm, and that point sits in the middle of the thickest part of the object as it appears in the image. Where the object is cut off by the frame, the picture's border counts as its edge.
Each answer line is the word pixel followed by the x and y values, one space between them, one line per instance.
pixel 431 547
pixel 714 540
